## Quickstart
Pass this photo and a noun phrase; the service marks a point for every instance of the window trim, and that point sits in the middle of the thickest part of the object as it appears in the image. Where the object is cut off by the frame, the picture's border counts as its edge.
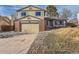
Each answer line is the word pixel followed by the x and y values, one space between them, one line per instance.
pixel 61 22
pixel 23 13
pixel 38 13
pixel 29 21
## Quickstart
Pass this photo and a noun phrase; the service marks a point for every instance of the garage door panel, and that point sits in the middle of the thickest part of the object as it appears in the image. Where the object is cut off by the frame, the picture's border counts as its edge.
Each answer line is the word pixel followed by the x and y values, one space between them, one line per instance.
pixel 30 28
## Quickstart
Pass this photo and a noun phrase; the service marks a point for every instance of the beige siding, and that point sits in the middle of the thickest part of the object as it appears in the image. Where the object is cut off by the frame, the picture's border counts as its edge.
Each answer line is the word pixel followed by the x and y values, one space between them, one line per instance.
pixel 31 13
pixel 30 28
pixel 30 18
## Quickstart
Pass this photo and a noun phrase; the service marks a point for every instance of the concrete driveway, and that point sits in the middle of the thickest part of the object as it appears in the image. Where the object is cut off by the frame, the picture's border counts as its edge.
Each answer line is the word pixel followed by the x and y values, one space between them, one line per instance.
pixel 19 44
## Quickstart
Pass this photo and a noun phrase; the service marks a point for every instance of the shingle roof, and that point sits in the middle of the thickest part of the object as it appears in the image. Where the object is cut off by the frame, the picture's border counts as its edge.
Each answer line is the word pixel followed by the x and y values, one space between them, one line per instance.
pixel 30 6
pixel 56 18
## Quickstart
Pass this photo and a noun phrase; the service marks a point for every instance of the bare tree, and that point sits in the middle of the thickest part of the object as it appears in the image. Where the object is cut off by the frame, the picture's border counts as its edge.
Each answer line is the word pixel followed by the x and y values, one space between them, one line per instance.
pixel 66 13
pixel 75 13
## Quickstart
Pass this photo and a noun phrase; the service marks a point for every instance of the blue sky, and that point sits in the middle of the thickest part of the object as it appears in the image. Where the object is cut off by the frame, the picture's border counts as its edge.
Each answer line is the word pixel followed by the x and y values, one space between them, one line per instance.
pixel 74 9
pixel 7 10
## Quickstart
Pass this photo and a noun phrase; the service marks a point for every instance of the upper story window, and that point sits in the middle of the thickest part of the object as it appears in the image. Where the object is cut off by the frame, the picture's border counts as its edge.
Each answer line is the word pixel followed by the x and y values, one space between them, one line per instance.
pixel 23 13
pixel 38 14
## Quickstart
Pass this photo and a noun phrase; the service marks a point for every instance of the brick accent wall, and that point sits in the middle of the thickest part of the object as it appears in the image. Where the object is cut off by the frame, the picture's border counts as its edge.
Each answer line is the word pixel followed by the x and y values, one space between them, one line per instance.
pixel 17 26
pixel 41 26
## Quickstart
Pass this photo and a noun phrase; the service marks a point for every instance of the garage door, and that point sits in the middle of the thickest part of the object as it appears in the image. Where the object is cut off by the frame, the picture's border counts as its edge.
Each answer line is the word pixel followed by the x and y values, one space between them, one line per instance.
pixel 30 28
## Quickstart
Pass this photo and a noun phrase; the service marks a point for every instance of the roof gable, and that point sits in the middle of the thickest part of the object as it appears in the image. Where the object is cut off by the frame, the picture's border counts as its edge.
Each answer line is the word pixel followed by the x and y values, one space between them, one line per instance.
pixel 28 16
pixel 30 7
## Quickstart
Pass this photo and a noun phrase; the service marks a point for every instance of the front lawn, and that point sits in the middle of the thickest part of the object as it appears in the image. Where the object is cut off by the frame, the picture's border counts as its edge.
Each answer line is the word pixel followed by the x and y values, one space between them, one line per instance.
pixel 64 40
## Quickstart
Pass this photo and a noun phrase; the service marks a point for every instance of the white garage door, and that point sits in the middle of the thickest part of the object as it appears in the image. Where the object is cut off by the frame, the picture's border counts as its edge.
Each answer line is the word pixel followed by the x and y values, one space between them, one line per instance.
pixel 30 28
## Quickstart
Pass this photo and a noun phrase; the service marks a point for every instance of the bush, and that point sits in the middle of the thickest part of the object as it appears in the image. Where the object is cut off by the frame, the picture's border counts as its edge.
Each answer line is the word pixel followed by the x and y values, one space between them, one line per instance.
pixel 71 25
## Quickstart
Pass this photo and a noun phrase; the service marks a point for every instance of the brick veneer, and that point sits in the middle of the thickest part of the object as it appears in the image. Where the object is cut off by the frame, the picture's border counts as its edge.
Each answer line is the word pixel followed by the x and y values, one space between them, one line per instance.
pixel 41 26
pixel 17 26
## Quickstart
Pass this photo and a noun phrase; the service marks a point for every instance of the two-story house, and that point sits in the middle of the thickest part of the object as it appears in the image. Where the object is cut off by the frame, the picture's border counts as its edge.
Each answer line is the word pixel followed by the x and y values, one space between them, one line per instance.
pixel 30 19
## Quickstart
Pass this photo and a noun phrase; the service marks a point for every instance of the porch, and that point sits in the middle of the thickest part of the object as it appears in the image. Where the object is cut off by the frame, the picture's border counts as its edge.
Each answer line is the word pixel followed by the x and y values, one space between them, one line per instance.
pixel 51 23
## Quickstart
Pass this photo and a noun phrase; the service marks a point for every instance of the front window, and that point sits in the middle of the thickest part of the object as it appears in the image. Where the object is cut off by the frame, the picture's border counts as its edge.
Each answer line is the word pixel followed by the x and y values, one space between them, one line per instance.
pixel 38 13
pixel 23 13
pixel 56 22
pixel 61 22
pixel 51 23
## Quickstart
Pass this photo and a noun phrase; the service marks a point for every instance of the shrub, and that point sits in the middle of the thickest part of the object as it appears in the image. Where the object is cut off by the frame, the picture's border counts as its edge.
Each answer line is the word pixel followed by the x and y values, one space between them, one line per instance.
pixel 71 25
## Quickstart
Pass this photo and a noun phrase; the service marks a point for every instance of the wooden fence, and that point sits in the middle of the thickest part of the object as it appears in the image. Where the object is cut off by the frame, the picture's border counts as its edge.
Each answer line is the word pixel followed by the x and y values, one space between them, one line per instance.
pixel 7 28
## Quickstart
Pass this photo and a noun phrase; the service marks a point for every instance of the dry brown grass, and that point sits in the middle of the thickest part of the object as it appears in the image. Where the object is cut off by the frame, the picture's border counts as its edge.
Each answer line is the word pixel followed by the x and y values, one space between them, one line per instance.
pixel 64 40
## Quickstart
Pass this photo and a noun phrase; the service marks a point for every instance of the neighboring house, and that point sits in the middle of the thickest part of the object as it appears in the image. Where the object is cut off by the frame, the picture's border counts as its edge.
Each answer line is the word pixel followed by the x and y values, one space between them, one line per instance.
pixel 5 24
pixel 55 22
pixel 32 19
